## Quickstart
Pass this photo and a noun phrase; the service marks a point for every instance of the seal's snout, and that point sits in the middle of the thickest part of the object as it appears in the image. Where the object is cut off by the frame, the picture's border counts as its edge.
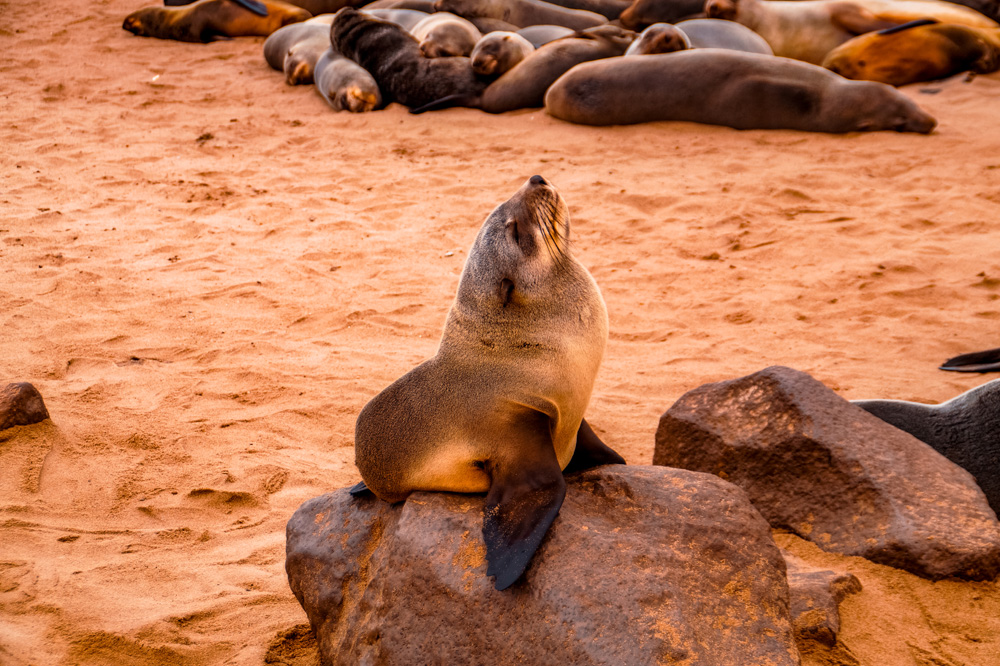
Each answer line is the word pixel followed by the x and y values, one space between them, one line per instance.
pixel 538 180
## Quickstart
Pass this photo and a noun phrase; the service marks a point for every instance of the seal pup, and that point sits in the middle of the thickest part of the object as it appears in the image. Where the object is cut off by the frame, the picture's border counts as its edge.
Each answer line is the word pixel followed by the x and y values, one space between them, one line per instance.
pixel 393 58
pixel 716 34
pixel 499 408
pixel 405 18
pixel 498 52
pixel 522 13
pixel 659 38
pixel 540 35
pixel 295 49
pixel 524 86
pixel 809 29
pixel 443 35
pixel 211 20
pixel 922 50
pixel 643 13
pixel 346 85
pixel 965 430
pixel 984 361
pixel 731 88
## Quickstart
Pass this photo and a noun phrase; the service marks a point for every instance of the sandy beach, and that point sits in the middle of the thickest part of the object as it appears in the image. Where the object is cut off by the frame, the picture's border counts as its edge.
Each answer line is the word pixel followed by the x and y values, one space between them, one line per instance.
pixel 207 273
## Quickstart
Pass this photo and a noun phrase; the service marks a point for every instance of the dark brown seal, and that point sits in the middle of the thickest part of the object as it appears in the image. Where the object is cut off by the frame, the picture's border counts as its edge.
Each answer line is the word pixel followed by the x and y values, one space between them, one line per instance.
pixel 524 86
pixel 924 50
pixel 731 88
pixel 643 13
pixel 393 58
pixel 211 20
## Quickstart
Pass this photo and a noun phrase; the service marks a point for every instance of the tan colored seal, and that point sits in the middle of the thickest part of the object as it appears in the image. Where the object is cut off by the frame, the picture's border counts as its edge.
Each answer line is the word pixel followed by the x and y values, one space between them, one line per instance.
pixel 498 52
pixel 346 85
pixel 731 88
pixel 212 20
pixel 499 408
pixel 443 35
pixel 809 29
pixel 920 51
pixel 295 49
pixel 659 38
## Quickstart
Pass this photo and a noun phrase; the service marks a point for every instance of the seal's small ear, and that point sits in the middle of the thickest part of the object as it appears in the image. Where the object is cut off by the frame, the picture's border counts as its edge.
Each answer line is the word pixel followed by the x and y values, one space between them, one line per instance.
pixel 360 490
pixel 526 491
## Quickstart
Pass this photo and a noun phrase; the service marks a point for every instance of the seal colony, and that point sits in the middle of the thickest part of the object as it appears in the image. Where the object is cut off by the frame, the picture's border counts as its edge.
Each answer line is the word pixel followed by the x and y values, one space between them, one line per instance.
pixel 500 56
pixel 500 407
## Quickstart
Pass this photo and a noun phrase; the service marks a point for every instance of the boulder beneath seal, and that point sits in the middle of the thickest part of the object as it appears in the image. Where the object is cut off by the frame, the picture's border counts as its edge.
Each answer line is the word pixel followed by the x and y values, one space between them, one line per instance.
pixel 21 404
pixel 832 473
pixel 643 565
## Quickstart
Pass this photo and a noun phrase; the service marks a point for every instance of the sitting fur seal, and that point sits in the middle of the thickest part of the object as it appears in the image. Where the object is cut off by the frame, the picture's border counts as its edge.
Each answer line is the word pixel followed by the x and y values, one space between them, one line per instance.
pixel 731 88
pixel 716 34
pixel 809 29
pixel 444 35
pixel 499 408
pixel 965 430
pixel 295 49
pixel 498 52
pixel 984 361
pixel 405 18
pixel 524 86
pixel 659 38
pixel 922 50
pixel 393 57
pixel 522 13
pixel 643 13
pixel 211 20
pixel 540 35
pixel 346 85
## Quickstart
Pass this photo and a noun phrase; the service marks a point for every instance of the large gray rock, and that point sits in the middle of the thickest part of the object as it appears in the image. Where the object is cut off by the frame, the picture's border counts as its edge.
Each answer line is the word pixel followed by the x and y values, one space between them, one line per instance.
pixel 831 472
pixel 643 565
pixel 21 404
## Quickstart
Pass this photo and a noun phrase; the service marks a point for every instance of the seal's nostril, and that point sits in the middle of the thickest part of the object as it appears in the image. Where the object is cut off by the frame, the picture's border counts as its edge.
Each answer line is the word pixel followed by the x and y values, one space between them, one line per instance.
pixel 538 180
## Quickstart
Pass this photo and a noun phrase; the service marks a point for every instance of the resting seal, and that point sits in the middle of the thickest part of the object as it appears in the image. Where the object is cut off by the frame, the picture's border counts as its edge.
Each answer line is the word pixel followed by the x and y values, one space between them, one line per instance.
pixel 524 86
pixel 345 85
pixel 522 13
pixel 499 408
pixel 659 38
pixel 443 35
pixel 393 57
pixel 809 29
pixel 919 51
pixel 643 13
pixel 965 430
pixel 498 52
pixel 716 34
pixel 731 88
pixel 212 20
pixel 295 49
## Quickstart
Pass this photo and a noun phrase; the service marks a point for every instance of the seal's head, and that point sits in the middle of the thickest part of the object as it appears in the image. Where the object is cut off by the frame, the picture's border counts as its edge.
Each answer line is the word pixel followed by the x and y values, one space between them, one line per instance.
pixel 721 9
pixel 659 38
pixel 135 23
pixel 869 106
pixel 522 244
pixel 356 100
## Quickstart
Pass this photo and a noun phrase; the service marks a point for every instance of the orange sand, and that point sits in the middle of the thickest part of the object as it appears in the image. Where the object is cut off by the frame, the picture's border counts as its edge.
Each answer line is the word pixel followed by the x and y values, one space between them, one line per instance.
pixel 207 273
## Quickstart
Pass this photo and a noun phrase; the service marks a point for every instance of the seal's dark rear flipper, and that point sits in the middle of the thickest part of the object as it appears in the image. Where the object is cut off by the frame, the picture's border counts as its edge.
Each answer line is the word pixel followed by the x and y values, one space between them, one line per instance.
pixel 907 26
pixel 444 103
pixel 984 361
pixel 177 3
pixel 526 492
pixel 360 490
pixel 591 451
pixel 258 8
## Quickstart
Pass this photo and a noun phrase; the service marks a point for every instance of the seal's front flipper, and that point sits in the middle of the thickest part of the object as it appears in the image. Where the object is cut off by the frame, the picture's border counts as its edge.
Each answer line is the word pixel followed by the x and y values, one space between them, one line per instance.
pixel 591 451
pixel 360 490
pixel 984 361
pixel 526 491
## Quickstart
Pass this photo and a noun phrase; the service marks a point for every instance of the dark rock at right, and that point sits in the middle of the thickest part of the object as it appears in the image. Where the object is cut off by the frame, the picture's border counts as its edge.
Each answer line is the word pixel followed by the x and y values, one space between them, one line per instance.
pixel 834 474
pixel 21 404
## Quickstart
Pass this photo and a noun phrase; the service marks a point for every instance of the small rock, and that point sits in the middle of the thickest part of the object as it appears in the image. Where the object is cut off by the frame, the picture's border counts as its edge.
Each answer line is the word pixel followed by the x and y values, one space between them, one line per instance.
pixel 832 473
pixel 21 404
pixel 643 565
pixel 815 596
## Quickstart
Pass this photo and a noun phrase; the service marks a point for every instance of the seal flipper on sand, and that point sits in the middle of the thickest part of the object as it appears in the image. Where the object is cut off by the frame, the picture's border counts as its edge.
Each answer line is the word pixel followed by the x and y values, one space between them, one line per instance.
pixel 526 491
pixel 984 361
pixel 591 451
pixel 360 490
